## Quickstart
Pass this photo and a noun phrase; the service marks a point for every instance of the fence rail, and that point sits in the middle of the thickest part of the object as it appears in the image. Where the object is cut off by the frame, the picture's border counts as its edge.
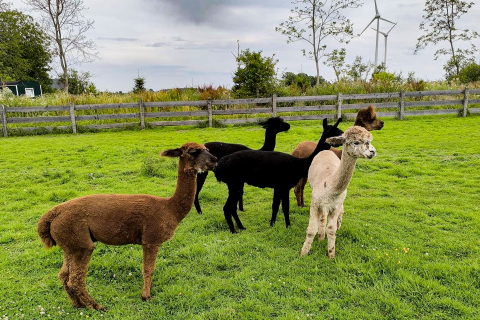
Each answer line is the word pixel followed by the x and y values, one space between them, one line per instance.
pixel 272 108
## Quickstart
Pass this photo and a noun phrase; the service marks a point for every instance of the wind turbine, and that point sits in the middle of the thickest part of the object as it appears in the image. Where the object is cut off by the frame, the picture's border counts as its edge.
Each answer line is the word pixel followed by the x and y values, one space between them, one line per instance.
pixel 386 37
pixel 378 17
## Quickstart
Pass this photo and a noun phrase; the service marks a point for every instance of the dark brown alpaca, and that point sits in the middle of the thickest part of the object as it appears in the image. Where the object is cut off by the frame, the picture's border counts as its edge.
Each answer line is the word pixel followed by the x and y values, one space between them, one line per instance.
pixel 366 118
pixel 118 219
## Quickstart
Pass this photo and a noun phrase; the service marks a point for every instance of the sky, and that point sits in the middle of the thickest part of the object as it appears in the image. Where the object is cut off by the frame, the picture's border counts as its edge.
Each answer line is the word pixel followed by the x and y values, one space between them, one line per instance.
pixel 184 43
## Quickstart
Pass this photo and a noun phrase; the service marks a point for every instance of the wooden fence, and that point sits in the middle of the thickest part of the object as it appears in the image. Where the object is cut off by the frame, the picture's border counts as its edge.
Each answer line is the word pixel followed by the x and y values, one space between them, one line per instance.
pixel 271 107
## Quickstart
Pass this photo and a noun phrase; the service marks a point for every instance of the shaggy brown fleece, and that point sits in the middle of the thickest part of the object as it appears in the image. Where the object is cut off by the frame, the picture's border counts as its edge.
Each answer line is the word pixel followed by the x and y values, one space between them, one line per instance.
pixel 119 219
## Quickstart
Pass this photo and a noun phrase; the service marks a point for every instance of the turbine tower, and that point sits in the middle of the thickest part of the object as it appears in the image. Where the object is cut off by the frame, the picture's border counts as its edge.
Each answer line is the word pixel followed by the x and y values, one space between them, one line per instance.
pixel 385 34
pixel 378 17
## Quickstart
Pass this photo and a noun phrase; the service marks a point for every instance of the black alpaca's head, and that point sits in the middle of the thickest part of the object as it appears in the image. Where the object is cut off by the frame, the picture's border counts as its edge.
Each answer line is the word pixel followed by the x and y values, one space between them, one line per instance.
pixel 275 124
pixel 331 131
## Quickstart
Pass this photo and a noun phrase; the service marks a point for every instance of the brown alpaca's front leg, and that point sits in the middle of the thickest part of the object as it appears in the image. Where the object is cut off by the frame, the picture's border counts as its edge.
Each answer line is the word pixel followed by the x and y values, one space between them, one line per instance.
pixel 150 252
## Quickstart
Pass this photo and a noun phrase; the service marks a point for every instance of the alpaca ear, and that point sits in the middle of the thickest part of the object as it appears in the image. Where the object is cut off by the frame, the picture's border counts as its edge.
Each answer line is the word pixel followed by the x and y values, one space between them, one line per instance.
pixel 172 153
pixel 264 124
pixel 336 141
pixel 338 121
pixel 325 123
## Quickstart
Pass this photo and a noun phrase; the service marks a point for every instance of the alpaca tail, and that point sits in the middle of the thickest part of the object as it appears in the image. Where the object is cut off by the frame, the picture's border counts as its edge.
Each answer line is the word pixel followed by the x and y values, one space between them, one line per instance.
pixel 43 228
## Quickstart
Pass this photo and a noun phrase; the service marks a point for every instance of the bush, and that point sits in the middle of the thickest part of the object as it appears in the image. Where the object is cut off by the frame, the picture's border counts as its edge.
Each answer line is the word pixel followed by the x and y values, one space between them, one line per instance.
pixel 471 73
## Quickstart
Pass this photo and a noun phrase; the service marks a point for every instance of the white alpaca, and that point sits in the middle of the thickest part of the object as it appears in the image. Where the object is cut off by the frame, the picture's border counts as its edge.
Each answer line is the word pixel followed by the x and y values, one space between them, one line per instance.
pixel 329 178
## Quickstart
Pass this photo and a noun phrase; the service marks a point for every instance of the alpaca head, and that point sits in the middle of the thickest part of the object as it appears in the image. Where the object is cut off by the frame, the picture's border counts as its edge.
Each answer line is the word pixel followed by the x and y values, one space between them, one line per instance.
pixel 196 156
pixel 276 124
pixel 331 130
pixel 356 142
pixel 367 118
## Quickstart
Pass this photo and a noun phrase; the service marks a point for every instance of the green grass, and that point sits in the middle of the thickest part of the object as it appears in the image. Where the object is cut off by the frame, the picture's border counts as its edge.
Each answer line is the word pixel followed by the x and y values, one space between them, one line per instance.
pixel 408 248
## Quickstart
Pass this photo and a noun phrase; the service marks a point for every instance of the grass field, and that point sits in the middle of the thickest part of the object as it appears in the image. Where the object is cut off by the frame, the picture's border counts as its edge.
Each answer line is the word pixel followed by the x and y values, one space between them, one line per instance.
pixel 409 246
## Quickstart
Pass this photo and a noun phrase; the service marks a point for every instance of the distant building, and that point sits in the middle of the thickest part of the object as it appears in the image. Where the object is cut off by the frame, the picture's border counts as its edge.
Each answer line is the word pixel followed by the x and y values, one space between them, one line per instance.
pixel 30 89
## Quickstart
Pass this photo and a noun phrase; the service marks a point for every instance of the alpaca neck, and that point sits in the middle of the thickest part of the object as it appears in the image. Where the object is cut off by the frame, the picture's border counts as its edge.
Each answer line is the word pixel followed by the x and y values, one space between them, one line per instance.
pixel 182 200
pixel 344 173
pixel 270 140
pixel 306 162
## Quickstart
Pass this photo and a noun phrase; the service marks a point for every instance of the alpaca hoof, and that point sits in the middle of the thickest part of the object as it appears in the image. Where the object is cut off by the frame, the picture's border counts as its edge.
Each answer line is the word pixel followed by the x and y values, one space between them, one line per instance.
pixel 233 231
pixel 99 307
pixel 303 253
pixel 272 223
pixel 199 212
pixel 145 298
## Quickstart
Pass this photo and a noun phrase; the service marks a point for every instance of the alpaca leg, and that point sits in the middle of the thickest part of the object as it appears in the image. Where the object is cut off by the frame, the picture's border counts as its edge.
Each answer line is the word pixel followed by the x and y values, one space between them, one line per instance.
pixel 340 217
pixel 230 208
pixel 298 190
pixel 275 205
pixel 240 199
pixel 332 231
pixel 201 177
pixel 150 252
pixel 286 207
pixel 78 266
pixel 311 230
pixel 63 275
pixel 322 225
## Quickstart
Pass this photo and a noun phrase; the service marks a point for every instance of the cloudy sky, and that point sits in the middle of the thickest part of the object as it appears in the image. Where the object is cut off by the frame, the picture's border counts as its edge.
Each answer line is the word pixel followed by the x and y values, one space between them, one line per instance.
pixel 179 43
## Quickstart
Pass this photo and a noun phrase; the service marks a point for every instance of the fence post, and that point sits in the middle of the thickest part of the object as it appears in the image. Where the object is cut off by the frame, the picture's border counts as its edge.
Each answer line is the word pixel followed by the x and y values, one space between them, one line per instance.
pixel 142 114
pixel 402 105
pixel 210 115
pixel 465 101
pixel 274 105
pixel 72 118
pixel 339 105
pixel 4 120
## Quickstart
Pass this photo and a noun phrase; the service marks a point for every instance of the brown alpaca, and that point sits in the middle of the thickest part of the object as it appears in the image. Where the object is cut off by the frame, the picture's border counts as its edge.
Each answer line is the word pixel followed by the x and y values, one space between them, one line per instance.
pixel 119 219
pixel 366 118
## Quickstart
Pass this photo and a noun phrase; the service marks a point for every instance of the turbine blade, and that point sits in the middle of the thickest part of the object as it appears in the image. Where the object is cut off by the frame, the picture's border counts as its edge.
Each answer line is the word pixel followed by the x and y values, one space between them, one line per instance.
pixel 387 20
pixel 380 32
pixel 367 27
pixel 376 9
pixel 391 28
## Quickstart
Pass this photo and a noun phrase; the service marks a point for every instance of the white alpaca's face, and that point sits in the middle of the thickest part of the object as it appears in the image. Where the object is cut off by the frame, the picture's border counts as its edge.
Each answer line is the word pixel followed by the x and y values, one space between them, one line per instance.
pixel 359 148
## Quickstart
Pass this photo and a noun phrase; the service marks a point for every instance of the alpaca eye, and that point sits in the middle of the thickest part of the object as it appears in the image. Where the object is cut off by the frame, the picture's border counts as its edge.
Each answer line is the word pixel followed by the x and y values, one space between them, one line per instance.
pixel 195 152
pixel 356 143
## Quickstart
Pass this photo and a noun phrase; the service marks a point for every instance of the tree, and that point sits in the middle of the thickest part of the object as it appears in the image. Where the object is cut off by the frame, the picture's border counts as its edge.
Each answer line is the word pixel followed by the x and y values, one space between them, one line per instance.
pixel 255 75
pixel 322 18
pixel 358 70
pixel 65 25
pixel 79 82
pixel 300 80
pixel 24 49
pixel 139 84
pixel 440 19
pixel 336 60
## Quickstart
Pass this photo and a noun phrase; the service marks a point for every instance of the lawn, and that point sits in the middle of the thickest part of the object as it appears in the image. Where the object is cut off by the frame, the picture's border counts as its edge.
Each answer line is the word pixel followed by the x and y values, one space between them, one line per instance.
pixel 409 246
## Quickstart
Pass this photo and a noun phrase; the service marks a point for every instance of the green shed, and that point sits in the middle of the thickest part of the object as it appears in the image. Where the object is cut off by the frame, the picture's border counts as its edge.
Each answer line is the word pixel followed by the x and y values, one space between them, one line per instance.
pixel 31 89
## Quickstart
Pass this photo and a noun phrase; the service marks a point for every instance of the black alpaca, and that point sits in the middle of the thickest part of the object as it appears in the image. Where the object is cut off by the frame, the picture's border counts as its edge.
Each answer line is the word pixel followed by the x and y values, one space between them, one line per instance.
pixel 220 149
pixel 266 169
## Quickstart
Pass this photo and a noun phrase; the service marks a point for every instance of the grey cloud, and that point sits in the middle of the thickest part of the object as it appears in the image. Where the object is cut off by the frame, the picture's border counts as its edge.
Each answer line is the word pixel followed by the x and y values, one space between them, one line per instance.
pixel 118 39
pixel 158 45
pixel 210 11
